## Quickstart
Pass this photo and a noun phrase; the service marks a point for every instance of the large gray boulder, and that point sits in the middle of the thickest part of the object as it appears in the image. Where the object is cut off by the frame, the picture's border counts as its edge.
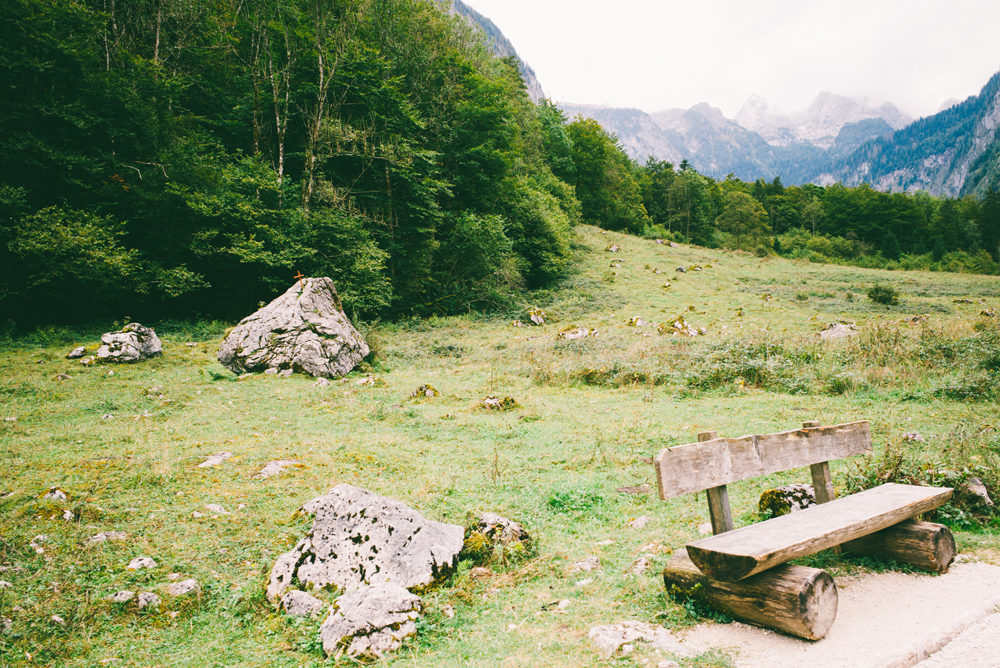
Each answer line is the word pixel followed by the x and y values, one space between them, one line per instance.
pixel 370 621
pixel 133 343
pixel 359 538
pixel 304 330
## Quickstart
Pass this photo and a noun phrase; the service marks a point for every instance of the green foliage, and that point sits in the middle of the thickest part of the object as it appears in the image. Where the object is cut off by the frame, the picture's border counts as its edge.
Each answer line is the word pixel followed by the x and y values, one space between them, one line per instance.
pixel 883 294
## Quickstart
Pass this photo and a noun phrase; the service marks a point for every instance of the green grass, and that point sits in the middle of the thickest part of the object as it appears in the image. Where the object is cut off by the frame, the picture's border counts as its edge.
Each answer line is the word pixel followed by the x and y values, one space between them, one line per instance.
pixel 590 413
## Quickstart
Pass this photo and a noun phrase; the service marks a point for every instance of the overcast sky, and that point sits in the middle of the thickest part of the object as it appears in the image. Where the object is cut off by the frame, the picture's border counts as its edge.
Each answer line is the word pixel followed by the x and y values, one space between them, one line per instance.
pixel 657 55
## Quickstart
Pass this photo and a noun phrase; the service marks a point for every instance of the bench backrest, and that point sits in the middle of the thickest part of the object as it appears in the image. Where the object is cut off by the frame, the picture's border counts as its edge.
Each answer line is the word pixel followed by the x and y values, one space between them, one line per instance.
pixel 693 467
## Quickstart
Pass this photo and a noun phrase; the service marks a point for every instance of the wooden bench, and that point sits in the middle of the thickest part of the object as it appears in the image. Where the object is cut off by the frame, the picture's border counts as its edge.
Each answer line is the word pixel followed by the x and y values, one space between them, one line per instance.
pixel 744 571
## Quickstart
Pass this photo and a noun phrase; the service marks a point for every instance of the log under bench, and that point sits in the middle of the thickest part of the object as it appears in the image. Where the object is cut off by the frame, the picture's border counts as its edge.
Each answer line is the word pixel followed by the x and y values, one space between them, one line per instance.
pixel 744 572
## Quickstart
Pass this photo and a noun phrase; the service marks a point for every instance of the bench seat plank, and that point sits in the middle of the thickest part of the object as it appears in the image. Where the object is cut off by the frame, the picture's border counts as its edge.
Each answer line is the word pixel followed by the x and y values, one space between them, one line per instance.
pixel 684 469
pixel 734 555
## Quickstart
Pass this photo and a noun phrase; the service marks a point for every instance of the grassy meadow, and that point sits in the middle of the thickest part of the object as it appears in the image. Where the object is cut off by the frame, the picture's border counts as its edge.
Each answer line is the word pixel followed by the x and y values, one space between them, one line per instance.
pixel 124 442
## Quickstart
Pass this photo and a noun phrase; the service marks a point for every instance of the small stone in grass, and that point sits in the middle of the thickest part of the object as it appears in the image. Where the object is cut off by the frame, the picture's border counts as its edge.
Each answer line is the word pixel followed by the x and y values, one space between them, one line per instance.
pixel 141 562
pixel 148 599
pixel 183 587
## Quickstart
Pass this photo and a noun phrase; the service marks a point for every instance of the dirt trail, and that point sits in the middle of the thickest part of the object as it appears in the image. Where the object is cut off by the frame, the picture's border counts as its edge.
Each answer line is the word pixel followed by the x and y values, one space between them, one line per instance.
pixel 876 614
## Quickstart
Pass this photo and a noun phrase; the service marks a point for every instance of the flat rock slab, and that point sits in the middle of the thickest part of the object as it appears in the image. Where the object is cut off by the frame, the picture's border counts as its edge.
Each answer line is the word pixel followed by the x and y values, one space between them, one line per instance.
pixel 215 460
pixel 370 621
pixel 304 330
pixel 359 538
pixel 612 637
pixel 276 468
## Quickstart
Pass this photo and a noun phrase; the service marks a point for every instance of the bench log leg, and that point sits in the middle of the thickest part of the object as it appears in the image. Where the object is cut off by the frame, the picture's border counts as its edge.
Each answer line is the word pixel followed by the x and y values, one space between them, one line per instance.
pixel 925 545
pixel 797 600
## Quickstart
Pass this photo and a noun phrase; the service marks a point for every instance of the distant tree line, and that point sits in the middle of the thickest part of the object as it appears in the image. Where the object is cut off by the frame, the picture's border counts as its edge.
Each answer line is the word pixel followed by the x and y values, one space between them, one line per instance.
pixel 855 225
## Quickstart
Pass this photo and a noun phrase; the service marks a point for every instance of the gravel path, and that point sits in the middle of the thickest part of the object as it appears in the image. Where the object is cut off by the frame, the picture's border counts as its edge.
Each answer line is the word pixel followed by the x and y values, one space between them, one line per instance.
pixel 876 614
pixel 979 647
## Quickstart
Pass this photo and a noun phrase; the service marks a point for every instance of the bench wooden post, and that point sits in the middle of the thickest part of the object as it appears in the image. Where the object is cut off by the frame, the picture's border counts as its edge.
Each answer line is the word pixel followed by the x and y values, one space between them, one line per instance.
pixel 822 480
pixel 718 497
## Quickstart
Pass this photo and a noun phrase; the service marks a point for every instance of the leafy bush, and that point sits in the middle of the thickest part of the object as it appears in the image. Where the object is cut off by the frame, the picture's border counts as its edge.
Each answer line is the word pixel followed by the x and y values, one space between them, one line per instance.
pixel 883 294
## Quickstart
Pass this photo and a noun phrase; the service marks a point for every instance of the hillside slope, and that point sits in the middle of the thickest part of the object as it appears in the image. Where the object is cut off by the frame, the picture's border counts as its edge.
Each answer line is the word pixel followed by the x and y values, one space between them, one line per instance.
pixel 501 46
pixel 954 152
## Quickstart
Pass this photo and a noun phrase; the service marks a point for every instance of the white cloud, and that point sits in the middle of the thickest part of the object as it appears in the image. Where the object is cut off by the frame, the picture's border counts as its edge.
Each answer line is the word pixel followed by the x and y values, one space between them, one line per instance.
pixel 657 55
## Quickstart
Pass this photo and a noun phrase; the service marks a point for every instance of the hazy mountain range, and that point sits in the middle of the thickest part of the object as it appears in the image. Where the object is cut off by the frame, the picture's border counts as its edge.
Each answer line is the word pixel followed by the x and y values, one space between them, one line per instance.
pixel 837 138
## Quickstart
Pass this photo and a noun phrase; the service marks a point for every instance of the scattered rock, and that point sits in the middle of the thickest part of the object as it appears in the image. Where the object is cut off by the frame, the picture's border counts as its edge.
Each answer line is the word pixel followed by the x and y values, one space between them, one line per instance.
pixel 197 515
pixel 583 583
pixel 63 376
pixel 300 604
pixel 914 437
pixel 216 508
pixel 270 372
pixel 141 562
pixel 612 248
pixel 604 543
pixel 610 638
pixel 658 241
pixel 637 321
pixel 479 572
pixel 184 587
pixel 917 319
pixel 57 619
pixel 682 270
pixel 68 515
pixel 148 599
pixel 963 300
pixel 976 492
pixel 215 460
pixel 586 565
pixel 516 323
pixel 674 244
pixel 123 596
pixel 55 494
pixel 495 403
pixel 304 329
pixel 424 390
pixel 988 312
pixel 679 327
pixel 576 332
pixel 322 382
pixel 359 538
pixel 638 522
pixel 787 499
pixel 838 330
pixel 537 316
pixel 767 297
pixel 705 528
pixel 132 344
pixel 667 664
pixel 371 621
pixel 640 566
pixel 491 533
pixel 156 391
pixel 286 373
pixel 5 585
pixel 276 467
pixel 76 353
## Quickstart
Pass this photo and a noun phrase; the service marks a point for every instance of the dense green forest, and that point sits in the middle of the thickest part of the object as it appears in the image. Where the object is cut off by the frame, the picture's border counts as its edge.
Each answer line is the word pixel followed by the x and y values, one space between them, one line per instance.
pixel 167 158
